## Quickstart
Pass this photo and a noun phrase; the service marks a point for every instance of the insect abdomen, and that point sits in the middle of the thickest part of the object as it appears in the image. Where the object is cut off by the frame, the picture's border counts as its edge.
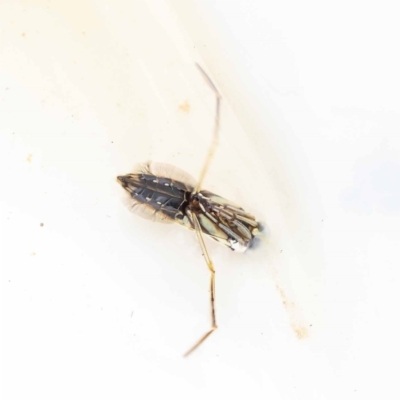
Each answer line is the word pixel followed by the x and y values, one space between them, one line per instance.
pixel 163 198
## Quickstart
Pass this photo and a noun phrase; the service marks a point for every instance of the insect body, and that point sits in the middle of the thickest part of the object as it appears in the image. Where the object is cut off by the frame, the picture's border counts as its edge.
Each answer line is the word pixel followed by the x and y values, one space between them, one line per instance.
pixel 165 193
pixel 157 193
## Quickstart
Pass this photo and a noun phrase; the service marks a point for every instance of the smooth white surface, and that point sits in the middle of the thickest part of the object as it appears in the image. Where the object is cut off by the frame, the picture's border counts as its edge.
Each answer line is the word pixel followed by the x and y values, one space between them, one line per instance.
pixel 98 303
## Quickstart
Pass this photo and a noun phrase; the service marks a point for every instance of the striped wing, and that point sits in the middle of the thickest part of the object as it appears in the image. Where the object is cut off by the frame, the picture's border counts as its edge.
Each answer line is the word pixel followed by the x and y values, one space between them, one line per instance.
pixel 225 222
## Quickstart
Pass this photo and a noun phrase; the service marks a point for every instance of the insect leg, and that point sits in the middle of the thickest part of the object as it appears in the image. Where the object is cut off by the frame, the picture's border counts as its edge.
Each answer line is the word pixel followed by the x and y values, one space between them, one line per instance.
pixel 212 285
pixel 214 142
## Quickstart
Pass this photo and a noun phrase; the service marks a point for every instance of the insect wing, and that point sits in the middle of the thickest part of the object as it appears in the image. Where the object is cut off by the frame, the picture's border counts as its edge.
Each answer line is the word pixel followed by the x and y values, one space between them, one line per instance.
pixel 164 170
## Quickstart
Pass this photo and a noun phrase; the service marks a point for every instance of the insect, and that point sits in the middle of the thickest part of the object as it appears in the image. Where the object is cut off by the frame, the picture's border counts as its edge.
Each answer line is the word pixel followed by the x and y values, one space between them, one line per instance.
pixel 164 193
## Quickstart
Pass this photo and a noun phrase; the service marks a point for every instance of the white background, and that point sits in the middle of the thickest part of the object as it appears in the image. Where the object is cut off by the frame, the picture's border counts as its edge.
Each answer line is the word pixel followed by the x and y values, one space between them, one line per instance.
pixel 97 303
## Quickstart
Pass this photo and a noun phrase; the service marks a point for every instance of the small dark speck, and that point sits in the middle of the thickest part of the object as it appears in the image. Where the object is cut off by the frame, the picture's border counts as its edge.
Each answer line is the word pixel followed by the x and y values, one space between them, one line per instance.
pixel 131 314
pixel 281 251
pixel 41 224
pixel 112 142
pixel 9 281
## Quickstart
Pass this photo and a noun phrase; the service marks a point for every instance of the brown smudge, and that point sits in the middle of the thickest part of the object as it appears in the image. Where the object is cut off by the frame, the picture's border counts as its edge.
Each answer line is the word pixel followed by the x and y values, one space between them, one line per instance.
pixel 184 107
pixel 41 224
pixel 299 329
pixel 285 301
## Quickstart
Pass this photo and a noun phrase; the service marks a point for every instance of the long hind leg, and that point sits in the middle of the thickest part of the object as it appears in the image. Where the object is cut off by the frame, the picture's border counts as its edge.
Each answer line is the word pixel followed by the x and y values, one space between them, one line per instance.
pixel 212 284
pixel 214 143
pixel 193 216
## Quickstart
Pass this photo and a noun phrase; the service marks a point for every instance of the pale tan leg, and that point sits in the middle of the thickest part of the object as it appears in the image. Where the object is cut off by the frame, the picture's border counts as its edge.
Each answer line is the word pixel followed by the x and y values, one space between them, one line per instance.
pixel 214 142
pixel 193 216
pixel 212 285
